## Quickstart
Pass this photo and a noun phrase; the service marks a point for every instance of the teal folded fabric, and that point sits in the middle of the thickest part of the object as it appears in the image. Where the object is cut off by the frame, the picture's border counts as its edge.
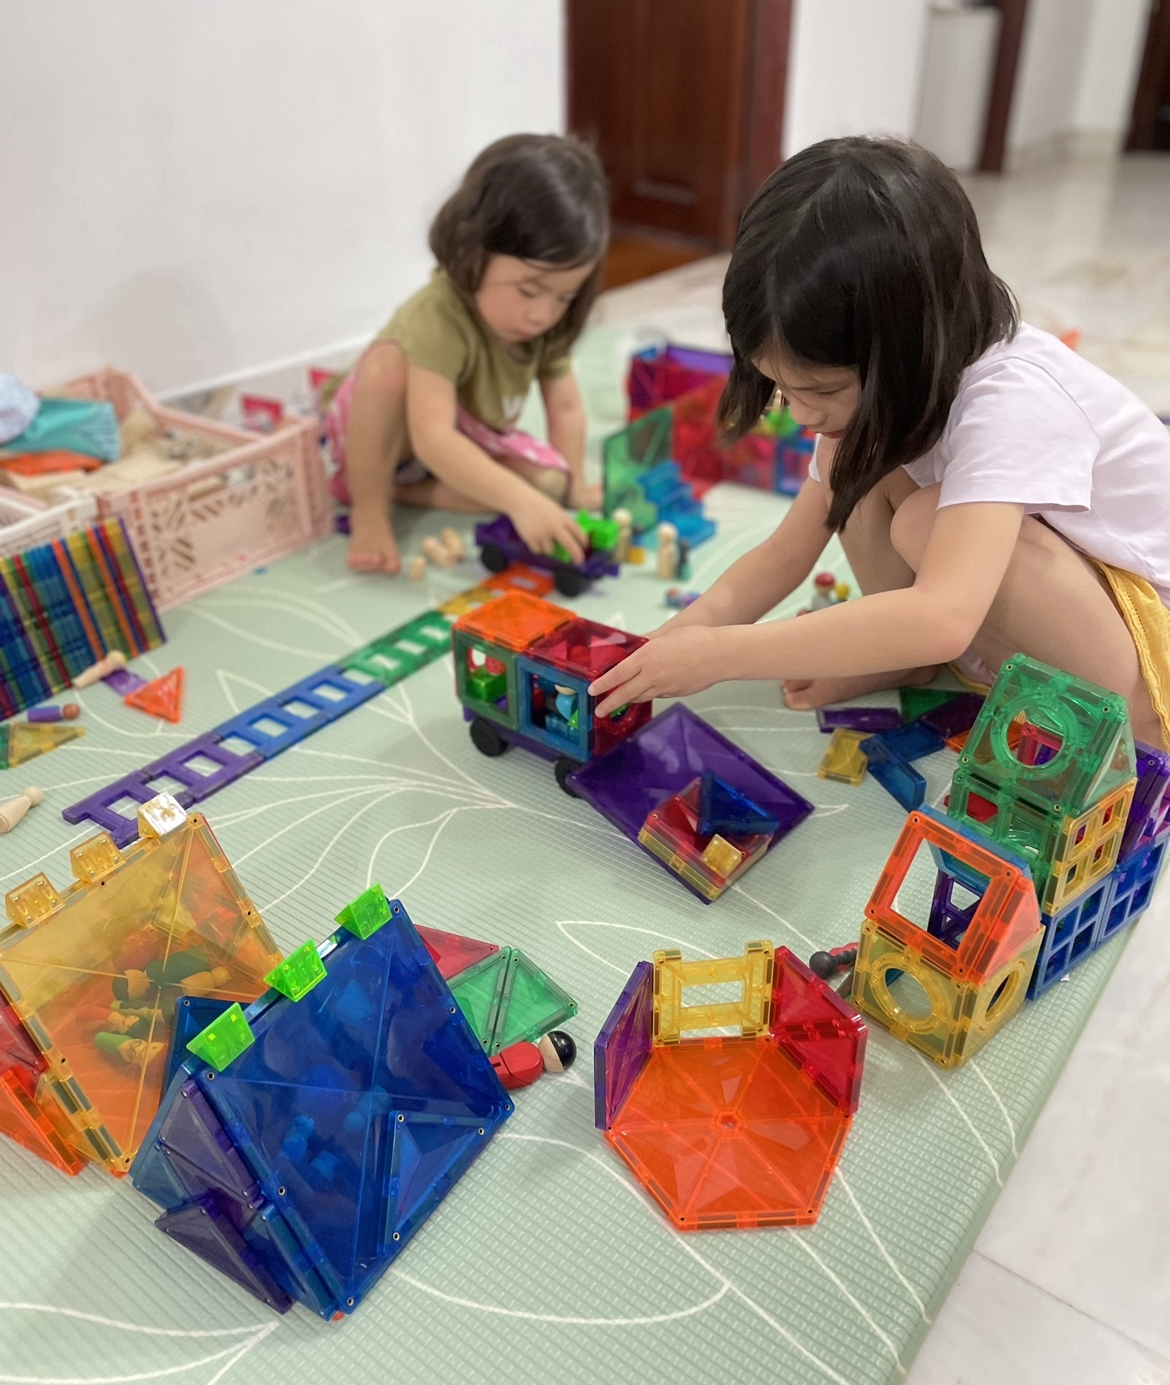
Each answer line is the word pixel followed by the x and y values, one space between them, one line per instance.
pixel 71 425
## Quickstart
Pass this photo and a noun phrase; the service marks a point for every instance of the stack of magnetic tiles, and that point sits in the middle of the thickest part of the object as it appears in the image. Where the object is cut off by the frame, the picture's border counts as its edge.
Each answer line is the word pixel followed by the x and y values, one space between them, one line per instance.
pixel 66 604
pixel 296 1145
pixel 1055 833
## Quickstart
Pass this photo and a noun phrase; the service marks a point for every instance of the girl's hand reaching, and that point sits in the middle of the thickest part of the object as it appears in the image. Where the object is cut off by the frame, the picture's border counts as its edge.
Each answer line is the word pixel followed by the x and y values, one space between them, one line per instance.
pixel 675 663
pixel 541 522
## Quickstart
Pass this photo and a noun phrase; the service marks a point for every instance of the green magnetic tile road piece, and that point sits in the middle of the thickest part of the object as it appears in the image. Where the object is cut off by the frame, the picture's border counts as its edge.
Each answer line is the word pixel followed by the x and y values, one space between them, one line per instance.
pixel 367 913
pixel 224 1039
pixel 4 733
pixel 298 973
pixel 915 701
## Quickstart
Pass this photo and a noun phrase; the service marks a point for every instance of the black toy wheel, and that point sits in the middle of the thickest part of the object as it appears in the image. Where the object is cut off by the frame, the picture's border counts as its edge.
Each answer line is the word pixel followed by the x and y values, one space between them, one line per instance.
pixel 486 739
pixel 493 557
pixel 564 766
pixel 570 583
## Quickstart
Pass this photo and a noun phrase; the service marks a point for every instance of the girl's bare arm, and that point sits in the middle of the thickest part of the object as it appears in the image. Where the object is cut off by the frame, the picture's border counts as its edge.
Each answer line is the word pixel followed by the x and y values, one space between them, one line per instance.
pixel 430 413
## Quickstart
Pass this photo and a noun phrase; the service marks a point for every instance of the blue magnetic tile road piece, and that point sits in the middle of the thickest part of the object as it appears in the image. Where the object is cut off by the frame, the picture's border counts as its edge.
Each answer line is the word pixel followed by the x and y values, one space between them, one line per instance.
pixel 347 1121
pixel 899 779
pixel 271 726
pixel 200 783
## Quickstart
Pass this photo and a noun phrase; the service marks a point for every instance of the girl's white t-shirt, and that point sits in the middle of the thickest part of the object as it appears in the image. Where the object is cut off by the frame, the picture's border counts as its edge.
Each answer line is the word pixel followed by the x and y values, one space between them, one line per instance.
pixel 1034 424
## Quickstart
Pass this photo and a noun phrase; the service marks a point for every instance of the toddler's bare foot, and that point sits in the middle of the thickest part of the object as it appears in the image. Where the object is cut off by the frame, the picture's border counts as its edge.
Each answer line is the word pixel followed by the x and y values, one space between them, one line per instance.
pixel 804 694
pixel 372 546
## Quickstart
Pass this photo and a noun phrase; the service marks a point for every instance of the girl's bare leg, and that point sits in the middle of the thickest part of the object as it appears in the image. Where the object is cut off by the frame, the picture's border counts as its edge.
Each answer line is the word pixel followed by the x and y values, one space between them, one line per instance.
pixel 439 495
pixel 375 442
pixel 1052 605
pixel 878 567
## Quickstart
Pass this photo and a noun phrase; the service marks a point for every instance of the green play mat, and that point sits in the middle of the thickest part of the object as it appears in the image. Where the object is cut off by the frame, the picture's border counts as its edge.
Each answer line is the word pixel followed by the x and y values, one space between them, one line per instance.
pixel 547 1262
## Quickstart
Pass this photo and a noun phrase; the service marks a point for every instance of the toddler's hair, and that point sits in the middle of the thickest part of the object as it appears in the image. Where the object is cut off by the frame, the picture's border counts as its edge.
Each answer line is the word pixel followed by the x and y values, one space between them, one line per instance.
pixel 866 253
pixel 534 197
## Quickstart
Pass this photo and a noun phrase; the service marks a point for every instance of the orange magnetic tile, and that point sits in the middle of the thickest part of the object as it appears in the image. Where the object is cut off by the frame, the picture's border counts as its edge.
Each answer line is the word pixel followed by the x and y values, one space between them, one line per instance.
pixel 24 1121
pixel 521 578
pixel 1005 919
pixel 514 621
pixel 163 698
pixel 729 1133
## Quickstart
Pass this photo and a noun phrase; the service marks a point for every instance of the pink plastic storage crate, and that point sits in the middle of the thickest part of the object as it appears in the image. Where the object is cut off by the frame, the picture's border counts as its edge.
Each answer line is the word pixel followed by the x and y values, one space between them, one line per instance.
pixel 199 527
pixel 26 522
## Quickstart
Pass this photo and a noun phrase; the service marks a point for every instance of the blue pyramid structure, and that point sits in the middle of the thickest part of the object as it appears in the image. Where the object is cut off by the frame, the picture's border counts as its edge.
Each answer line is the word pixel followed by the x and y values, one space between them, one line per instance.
pixel 726 810
pixel 309 1161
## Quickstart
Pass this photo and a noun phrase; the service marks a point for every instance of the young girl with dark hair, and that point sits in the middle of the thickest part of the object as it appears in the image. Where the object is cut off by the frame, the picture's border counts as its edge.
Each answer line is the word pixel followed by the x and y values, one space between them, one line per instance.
pixel 427 416
pixel 994 491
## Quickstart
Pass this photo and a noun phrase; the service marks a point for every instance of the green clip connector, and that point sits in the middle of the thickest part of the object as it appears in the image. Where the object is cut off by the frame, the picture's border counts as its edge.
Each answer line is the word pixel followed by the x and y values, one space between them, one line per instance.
pixel 298 973
pixel 368 912
pixel 224 1039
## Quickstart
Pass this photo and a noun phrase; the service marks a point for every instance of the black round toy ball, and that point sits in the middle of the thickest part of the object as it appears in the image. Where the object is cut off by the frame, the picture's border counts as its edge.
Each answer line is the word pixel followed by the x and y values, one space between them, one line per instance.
pixel 823 964
pixel 558 1050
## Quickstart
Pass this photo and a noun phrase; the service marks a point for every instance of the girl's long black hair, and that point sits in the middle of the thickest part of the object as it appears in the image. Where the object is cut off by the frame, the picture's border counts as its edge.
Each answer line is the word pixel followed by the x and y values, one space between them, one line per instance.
pixel 866 253
pixel 540 198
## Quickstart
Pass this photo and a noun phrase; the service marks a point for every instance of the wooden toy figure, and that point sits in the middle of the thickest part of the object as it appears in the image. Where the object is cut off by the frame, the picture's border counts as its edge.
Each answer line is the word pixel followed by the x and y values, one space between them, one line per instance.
pixel 625 523
pixel 667 551
pixel 12 811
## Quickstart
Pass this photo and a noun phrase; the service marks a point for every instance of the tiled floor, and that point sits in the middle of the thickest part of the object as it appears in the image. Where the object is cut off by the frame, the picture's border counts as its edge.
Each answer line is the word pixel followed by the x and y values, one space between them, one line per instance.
pixel 1069 1281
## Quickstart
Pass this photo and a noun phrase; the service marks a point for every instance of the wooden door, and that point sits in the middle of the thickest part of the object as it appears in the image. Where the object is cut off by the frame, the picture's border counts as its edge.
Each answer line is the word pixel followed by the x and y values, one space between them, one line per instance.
pixel 1151 107
pixel 683 99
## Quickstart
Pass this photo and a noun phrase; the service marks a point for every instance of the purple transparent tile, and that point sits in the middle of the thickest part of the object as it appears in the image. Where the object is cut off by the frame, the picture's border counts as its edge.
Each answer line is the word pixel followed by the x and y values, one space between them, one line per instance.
pixel 621 1049
pixel 663 757
pixel 955 717
pixel 871 719
pixel 1150 797
pixel 123 681
pixel 206 1230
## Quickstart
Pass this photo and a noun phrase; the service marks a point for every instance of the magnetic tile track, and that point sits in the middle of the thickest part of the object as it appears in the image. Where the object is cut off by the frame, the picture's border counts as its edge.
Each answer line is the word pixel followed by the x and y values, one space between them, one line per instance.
pixel 254 736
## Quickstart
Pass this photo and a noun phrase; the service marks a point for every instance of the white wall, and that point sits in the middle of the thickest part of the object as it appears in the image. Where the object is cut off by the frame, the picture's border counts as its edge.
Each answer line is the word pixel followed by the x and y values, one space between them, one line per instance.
pixel 198 190
pixel 1075 82
pixel 854 68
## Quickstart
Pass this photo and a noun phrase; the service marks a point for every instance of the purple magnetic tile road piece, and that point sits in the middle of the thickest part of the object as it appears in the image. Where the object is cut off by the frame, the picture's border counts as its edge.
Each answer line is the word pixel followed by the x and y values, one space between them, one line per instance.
pixel 123 681
pixel 623 1045
pixel 140 785
pixel 98 807
pixel 872 719
pixel 661 758
pixel 954 717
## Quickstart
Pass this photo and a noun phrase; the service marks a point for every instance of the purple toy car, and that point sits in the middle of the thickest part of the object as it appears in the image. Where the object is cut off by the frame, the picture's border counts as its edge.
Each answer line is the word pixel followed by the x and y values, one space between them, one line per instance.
pixel 500 545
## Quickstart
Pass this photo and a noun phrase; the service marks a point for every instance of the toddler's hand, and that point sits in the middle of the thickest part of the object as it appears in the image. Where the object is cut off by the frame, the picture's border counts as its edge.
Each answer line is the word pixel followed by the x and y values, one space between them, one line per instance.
pixel 584 497
pixel 674 664
pixel 541 522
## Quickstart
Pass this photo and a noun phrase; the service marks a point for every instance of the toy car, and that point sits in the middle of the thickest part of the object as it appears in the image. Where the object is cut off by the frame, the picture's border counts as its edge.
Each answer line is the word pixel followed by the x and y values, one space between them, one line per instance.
pixel 500 545
pixel 522 671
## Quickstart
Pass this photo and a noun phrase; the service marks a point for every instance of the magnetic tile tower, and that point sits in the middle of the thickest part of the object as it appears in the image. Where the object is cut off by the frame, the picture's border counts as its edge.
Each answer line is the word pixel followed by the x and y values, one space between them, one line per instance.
pixel 727 1131
pixel 1055 833
pixel 304 1141
pixel 90 976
